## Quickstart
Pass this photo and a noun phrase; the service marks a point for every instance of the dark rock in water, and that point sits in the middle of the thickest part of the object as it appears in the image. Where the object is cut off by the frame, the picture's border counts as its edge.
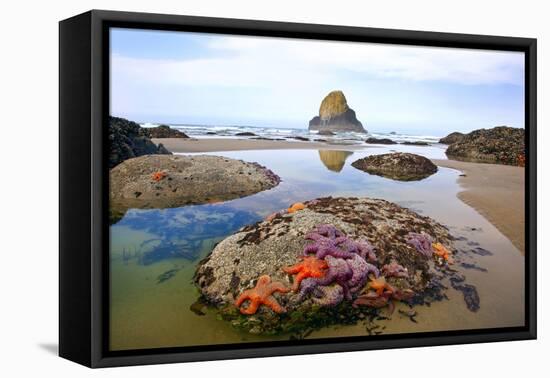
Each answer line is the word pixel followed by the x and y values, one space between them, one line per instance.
pixel 173 181
pixel 471 297
pixel 335 115
pixel 198 307
pixel 162 131
pixel 499 145
pixel 246 133
pixel 303 139
pixel 319 140
pixel 473 266
pixel 372 140
pixel 325 132
pixel 126 141
pixel 211 133
pixel 481 251
pixel 397 166
pixel 452 138
pixel 376 227
pixel 393 133
pixel 415 143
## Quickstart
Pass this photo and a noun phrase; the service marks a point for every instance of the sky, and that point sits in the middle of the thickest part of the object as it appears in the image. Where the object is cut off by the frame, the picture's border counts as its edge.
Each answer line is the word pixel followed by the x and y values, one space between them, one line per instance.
pixel 211 79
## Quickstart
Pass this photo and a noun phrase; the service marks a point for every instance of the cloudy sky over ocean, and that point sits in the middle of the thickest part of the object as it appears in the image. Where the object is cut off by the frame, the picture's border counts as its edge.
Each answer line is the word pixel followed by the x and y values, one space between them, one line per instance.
pixel 191 78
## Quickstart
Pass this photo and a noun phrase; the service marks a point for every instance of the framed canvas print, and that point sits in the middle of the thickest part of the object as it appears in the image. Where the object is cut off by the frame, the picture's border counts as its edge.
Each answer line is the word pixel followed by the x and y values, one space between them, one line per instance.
pixel 234 188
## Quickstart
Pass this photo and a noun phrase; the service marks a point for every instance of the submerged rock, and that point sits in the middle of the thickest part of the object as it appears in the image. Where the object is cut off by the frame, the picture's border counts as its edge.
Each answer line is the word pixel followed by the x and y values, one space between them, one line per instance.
pixel 356 237
pixel 335 115
pixel 452 138
pixel 398 166
pixel 500 145
pixel 162 131
pixel 126 141
pixel 415 143
pixel 161 181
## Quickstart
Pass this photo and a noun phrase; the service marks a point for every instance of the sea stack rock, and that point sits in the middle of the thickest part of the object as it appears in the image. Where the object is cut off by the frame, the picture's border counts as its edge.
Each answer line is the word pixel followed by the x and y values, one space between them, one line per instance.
pixel 335 115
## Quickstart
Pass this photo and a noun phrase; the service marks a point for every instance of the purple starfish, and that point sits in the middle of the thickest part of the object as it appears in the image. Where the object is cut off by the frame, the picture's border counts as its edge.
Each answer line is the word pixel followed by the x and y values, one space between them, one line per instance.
pixel 360 272
pixel 362 247
pixel 393 269
pixel 329 296
pixel 422 242
pixel 327 241
pixel 338 271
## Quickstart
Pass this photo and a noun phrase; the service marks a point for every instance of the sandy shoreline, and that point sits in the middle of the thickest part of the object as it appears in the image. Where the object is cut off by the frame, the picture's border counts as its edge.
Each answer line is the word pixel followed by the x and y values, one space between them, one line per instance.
pixel 497 192
pixel 180 145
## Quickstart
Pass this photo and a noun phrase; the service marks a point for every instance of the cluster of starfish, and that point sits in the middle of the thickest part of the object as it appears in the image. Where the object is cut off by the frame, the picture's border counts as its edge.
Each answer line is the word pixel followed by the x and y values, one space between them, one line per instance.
pixel 425 245
pixel 333 267
pixel 159 175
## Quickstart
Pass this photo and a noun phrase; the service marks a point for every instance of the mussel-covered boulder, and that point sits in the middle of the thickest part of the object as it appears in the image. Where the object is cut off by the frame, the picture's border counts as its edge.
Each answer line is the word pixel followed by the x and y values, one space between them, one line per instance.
pixel 499 145
pixel 303 263
pixel 398 166
pixel 451 138
pixel 162 131
pixel 161 181
pixel 127 140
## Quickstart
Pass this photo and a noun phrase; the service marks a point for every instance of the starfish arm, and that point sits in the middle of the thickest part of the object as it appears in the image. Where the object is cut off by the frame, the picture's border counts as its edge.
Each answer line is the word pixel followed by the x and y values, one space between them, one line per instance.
pixel 391 306
pixel 243 297
pixel 274 305
pixel 279 287
pixel 311 248
pixel 337 252
pixel 299 277
pixel 293 269
pixel 252 308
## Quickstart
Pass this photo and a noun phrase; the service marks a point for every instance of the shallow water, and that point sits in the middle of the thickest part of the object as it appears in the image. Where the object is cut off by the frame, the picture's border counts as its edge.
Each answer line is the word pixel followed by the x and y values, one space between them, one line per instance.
pixel 154 252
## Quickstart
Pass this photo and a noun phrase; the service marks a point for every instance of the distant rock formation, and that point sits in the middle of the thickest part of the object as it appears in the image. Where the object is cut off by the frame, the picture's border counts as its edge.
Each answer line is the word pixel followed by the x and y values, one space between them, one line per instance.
pixel 335 115
pixel 452 138
pixel 397 166
pixel 127 141
pixel 500 145
pixel 162 131
pixel 334 160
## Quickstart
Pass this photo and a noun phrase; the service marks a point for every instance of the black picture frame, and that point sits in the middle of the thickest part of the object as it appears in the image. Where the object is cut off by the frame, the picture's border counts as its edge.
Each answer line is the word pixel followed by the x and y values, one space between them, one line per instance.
pixel 83 228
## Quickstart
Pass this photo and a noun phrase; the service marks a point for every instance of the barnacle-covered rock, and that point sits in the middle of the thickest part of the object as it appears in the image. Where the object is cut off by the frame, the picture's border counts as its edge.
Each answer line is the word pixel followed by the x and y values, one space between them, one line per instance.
pixel 362 235
pixel 401 166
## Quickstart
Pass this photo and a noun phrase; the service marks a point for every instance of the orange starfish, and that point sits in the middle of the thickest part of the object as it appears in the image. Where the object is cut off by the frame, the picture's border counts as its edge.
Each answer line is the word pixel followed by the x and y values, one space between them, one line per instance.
pixel 157 176
pixel 297 206
pixel 380 285
pixel 262 295
pixel 309 267
pixel 440 250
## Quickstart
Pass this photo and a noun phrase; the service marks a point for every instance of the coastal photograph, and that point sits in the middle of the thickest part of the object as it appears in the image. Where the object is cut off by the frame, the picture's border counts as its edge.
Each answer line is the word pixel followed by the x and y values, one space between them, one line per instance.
pixel 271 189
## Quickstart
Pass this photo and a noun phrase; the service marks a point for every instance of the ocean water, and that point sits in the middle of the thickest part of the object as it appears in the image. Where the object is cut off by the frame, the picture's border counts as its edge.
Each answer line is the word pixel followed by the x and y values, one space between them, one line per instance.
pixel 213 131
pixel 154 253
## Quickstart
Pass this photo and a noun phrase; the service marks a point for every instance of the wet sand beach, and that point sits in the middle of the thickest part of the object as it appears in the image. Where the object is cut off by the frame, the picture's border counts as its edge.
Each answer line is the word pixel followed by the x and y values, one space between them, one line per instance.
pixel 179 145
pixel 497 193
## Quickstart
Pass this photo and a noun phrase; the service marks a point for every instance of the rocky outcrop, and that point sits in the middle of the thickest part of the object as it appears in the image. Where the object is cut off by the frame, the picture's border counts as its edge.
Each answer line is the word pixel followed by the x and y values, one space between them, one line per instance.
pixel 376 235
pixel 162 131
pixel 161 181
pixel 246 133
pixel 335 115
pixel 398 166
pixel 415 143
pixel 452 138
pixel 334 160
pixel 499 145
pixel 373 140
pixel 126 141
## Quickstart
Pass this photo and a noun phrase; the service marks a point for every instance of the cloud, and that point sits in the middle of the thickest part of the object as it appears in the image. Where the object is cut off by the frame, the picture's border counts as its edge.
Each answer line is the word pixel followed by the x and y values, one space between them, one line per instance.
pixel 274 62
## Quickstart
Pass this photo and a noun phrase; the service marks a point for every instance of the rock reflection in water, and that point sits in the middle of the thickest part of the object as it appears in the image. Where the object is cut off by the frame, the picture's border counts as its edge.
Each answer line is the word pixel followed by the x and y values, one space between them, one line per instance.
pixel 334 160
